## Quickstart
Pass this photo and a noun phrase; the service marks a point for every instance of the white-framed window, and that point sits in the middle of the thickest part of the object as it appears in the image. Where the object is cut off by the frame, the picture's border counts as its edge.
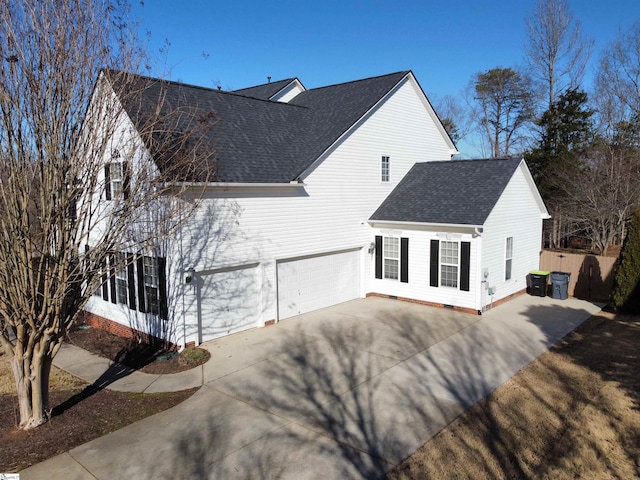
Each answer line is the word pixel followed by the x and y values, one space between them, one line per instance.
pixel 116 177
pixel 384 169
pixel 151 285
pixel 449 263
pixel 122 282
pixel 390 257
pixel 508 258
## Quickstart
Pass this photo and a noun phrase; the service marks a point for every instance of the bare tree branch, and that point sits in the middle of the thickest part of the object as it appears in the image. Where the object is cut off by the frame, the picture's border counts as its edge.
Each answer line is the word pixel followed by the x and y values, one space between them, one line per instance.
pixel 89 157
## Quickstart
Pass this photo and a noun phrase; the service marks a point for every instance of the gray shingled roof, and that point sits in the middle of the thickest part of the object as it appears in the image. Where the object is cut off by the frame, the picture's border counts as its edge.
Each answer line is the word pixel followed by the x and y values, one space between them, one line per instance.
pixel 265 91
pixel 459 192
pixel 259 141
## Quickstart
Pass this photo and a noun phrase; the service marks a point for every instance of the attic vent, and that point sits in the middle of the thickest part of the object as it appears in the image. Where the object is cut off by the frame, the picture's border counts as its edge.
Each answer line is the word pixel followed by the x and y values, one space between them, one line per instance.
pixel 268 79
pixel 219 88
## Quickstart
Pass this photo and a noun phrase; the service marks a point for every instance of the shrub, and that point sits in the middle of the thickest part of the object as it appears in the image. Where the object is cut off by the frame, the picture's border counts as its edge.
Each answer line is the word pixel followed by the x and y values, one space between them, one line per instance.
pixel 626 282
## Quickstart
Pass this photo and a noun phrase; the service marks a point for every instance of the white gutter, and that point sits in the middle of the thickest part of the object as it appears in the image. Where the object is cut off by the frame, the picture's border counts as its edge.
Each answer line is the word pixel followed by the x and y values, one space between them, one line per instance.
pixel 477 228
pixel 293 184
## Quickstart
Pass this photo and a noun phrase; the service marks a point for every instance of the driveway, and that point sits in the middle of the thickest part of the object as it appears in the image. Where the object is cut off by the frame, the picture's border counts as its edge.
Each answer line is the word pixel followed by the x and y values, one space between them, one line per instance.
pixel 345 392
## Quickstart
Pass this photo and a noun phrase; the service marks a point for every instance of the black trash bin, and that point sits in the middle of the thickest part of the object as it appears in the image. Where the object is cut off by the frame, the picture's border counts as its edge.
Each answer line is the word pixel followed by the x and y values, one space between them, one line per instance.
pixel 560 285
pixel 538 279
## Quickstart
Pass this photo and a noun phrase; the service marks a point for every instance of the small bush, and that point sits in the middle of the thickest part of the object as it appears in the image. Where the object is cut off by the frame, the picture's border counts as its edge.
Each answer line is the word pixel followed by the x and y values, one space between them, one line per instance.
pixel 193 354
pixel 626 282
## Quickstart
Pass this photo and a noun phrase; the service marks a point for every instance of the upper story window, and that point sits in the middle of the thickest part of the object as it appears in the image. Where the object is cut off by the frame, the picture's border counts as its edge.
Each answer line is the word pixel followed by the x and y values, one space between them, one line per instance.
pixel 384 169
pixel 449 263
pixel 508 258
pixel 390 257
pixel 116 180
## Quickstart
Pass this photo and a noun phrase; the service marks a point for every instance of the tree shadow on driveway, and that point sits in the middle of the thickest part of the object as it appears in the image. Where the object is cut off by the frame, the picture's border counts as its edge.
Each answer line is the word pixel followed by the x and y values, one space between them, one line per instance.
pixel 356 401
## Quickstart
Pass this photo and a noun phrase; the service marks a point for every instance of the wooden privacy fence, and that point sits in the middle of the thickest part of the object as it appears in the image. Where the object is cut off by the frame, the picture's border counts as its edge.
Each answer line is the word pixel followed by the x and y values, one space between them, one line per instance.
pixel 591 275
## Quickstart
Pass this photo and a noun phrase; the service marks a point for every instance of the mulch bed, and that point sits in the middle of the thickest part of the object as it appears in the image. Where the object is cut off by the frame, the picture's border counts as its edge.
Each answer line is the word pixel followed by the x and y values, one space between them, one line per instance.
pixel 84 413
pixel 153 359
pixel 96 415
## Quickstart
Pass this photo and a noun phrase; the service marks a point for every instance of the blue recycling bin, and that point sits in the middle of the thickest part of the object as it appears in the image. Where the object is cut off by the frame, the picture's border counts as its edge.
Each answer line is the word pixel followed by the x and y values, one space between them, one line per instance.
pixel 560 285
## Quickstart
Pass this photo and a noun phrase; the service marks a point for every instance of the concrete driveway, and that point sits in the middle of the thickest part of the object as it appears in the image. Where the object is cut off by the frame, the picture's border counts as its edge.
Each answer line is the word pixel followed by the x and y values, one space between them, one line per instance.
pixel 345 392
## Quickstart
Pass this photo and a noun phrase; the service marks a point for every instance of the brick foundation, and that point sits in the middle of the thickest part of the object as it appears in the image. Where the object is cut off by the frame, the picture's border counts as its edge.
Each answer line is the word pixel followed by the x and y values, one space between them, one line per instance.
pixel 506 299
pixel 450 307
pixel 115 328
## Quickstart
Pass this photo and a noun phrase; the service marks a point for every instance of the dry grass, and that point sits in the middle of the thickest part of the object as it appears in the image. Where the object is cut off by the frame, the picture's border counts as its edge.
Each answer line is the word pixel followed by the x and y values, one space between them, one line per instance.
pixel 573 413
pixel 60 380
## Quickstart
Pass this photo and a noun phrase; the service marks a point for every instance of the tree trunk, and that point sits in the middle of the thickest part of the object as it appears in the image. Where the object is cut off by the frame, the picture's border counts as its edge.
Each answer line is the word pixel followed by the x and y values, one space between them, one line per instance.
pixel 31 373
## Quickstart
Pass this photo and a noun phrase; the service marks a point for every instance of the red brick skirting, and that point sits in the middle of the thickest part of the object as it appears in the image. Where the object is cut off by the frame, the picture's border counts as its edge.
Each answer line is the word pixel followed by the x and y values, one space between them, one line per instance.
pixel 450 307
pixel 126 331
pixel 505 299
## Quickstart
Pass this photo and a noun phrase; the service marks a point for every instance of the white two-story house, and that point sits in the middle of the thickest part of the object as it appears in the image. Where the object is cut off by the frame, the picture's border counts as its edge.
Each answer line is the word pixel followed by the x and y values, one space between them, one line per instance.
pixel 326 195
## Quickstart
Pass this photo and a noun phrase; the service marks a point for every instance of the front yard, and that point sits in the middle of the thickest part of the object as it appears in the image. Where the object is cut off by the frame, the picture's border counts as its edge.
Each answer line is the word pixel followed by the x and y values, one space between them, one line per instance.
pixel 573 413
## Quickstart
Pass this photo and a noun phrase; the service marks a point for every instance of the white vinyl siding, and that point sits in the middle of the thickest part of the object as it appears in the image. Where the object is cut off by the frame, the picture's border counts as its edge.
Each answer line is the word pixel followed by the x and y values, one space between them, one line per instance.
pixel 517 216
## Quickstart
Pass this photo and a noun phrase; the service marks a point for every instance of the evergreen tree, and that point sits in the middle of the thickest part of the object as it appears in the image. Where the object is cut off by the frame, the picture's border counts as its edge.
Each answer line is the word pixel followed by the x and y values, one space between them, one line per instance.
pixel 566 131
pixel 626 282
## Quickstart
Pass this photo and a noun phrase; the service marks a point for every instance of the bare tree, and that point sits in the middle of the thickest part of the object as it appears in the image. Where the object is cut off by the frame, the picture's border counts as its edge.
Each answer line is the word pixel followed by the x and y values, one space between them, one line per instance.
pixel 601 197
pixel 505 106
pixel 556 50
pixel 618 78
pixel 457 118
pixel 78 186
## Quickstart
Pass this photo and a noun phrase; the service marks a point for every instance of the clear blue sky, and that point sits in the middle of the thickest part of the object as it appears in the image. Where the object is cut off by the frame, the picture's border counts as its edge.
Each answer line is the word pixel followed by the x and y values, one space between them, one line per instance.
pixel 237 44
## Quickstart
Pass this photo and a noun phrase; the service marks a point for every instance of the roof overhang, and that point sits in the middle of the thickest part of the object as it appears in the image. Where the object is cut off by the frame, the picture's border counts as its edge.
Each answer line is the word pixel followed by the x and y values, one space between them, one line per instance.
pixel 426 224
pixel 235 186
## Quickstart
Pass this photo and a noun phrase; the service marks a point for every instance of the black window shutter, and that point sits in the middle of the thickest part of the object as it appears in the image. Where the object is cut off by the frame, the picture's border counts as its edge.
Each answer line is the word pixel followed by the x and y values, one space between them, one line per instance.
pixel 112 277
pixel 162 287
pixel 433 263
pixel 125 180
pixel 378 256
pixel 131 281
pixel 404 260
pixel 105 285
pixel 107 181
pixel 142 306
pixel 465 264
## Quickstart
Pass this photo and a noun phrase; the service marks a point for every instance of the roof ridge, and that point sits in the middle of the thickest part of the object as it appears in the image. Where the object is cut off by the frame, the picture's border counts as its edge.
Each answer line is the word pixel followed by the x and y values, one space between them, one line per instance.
pixel 360 80
pixel 200 87
pixel 268 83
pixel 501 159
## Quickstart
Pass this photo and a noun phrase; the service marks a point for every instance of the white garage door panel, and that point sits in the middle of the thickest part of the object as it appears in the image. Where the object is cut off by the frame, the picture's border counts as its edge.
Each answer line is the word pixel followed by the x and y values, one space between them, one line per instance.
pixel 316 282
pixel 228 302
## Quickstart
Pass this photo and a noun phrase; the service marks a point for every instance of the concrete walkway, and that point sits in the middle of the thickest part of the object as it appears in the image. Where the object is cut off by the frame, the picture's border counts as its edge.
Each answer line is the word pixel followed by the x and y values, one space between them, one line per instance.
pixel 345 392
pixel 106 374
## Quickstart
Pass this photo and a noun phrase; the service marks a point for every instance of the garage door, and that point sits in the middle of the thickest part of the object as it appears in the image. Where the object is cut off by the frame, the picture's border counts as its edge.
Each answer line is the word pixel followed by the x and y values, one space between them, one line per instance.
pixel 228 302
pixel 309 283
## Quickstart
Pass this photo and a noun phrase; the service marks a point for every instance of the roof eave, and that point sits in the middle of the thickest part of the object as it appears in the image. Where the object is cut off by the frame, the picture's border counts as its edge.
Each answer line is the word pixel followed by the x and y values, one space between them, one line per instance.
pixel 423 224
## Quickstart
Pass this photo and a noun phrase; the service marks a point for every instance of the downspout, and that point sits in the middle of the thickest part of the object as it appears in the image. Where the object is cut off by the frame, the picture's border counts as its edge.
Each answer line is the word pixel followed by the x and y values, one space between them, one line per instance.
pixel 477 232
